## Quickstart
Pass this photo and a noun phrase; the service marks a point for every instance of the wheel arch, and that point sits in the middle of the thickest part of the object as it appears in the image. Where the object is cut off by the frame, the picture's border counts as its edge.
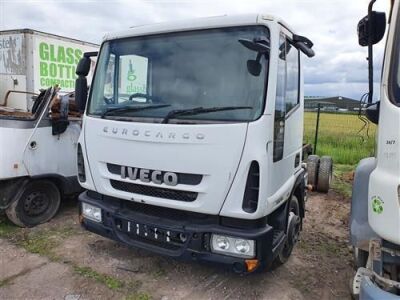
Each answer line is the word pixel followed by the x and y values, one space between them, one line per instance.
pixel 279 218
pixel 299 189
pixel 11 190
pixel 66 185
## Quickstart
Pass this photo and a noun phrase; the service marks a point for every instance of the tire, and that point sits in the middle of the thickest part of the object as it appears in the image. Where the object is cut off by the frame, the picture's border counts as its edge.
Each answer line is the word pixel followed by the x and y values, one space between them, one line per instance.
pixel 325 172
pixel 37 204
pixel 294 225
pixel 360 258
pixel 312 169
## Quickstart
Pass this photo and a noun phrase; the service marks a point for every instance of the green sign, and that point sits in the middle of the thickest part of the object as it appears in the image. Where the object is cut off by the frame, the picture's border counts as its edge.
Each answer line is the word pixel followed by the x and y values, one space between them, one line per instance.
pixel 134 74
pixel 377 205
pixel 57 65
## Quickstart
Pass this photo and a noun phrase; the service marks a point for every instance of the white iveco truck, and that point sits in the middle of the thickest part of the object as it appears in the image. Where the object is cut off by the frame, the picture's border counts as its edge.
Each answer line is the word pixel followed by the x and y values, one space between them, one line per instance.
pixel 192 140
pixel 375 209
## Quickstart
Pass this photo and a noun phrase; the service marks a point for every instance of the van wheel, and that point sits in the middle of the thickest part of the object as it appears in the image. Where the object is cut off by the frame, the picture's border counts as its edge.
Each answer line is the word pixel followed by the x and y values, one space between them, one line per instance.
pixel 38 203
pixel 293 232
pixel 325 173
pixel 312 170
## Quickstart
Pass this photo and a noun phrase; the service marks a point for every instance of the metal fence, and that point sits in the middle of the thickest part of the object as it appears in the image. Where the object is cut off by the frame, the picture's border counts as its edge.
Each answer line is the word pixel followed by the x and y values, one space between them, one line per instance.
pixel 346 136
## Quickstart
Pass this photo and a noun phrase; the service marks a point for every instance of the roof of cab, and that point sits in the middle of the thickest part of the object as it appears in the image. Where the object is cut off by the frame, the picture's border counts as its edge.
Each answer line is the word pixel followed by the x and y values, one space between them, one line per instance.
pixel 195 24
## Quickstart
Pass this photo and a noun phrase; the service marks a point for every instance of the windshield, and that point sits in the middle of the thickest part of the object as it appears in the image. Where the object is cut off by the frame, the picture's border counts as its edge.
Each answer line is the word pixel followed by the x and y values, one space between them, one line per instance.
pixel 181 71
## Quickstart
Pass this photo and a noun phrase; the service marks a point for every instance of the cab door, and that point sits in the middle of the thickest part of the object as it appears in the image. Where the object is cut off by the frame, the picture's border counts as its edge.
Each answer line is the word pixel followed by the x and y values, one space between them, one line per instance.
pixel 288 118
pixel 51 153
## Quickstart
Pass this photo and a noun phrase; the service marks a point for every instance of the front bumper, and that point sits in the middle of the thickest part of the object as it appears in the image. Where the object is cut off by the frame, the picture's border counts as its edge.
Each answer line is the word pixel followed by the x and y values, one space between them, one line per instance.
pixel 370 291
pixel 120 222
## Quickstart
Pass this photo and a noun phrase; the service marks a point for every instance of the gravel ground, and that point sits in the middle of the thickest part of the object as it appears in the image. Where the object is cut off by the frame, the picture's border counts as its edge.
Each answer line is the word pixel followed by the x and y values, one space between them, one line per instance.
pixel 59 260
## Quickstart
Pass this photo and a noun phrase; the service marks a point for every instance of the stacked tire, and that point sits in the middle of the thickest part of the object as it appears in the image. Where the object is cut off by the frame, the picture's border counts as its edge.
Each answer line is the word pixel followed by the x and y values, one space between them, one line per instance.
pixel 320 172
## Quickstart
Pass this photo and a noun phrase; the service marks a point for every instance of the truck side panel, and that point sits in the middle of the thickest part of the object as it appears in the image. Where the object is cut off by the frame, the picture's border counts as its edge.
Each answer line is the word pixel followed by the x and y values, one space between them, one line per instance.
pixel 13 68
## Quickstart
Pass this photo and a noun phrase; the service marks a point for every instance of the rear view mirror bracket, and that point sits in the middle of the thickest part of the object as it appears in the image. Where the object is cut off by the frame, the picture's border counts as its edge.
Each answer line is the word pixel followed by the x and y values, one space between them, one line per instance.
pixel 303 44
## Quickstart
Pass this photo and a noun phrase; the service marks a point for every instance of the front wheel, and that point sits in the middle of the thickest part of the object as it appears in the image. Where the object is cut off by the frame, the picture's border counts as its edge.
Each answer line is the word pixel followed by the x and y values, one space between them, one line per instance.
pixel 293 232
pixel 38 203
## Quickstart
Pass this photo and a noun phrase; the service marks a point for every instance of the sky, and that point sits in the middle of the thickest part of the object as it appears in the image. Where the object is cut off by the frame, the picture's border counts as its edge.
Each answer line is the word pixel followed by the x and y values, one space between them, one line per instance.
pixel 339 67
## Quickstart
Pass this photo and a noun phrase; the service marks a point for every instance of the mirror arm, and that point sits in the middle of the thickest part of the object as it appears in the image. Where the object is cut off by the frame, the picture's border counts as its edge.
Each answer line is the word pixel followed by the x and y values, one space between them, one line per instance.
pixel 303 44
pixel 370 53
pixel 91 54
pixel 306 50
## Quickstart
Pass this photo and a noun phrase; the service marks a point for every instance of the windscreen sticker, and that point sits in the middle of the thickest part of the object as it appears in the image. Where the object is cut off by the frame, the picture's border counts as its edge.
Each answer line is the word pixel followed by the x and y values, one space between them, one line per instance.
pixel 134 74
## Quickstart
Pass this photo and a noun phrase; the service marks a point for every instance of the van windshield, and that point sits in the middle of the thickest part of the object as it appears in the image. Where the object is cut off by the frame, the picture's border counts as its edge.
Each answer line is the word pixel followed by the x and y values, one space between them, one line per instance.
pixel 180 71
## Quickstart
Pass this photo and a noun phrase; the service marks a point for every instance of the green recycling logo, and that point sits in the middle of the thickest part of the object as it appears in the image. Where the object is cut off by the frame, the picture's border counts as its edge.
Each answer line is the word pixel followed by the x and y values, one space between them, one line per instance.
pixel 377 205
pixel 131 76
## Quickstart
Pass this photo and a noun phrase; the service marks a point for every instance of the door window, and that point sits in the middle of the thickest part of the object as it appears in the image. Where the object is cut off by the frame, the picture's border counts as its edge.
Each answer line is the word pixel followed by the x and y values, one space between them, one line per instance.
pixel 279 119
pixel 287 92
pixel 292 77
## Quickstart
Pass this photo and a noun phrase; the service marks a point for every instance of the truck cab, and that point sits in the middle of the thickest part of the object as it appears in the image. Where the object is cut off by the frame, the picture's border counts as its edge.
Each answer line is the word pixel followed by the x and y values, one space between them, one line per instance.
pixel 375 209
pixel 191 143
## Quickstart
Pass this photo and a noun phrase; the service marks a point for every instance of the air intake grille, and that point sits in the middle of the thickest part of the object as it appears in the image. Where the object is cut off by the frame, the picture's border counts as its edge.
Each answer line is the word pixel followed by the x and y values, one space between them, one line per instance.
pixel 153 191
pixel 189 179
pixel 81 165
pixel 250 199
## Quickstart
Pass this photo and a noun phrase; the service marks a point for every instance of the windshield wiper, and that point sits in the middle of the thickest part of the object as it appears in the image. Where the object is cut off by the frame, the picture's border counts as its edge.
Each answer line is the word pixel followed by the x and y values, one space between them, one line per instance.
pixel 199 110
pixel 131 108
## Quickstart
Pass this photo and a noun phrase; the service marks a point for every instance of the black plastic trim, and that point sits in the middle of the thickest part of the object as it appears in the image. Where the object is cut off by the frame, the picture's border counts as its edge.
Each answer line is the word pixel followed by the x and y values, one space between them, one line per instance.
pixel 152 191
pixel 197 245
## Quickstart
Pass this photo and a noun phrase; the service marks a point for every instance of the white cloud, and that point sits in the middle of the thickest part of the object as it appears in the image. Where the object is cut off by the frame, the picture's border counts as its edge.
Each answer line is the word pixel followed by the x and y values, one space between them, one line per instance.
pixel 338 68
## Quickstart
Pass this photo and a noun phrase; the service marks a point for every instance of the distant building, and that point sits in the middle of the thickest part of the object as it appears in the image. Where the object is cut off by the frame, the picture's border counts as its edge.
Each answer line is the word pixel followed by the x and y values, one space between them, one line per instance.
pixel 337 103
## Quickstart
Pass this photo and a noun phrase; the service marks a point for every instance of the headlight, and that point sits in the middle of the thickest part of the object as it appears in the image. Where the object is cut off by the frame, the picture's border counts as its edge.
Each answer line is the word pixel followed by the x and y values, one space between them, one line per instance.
pixel 222 243
pixel 232 246
pixel 242 246
pixel 91 212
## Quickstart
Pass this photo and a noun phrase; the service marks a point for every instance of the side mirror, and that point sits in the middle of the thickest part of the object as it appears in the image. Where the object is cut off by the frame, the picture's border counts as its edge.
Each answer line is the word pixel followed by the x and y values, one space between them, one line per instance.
pixel 371 28
pixel 81 92
pixel 59 126
pixel 254 67
pixel 262 48
pixel 81 86
pixel 372 112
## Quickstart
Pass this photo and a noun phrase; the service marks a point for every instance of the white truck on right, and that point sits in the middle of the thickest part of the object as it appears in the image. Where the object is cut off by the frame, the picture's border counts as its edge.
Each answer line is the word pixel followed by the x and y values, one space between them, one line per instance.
pixel 375 207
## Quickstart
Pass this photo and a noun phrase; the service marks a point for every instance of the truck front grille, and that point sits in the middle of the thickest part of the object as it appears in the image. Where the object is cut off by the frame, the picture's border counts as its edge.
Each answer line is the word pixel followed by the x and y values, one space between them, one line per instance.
pixel 154 191
pixel 183 178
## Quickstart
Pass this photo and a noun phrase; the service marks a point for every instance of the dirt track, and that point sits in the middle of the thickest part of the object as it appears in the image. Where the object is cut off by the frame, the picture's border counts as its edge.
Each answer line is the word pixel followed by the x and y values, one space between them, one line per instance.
pixel 59 260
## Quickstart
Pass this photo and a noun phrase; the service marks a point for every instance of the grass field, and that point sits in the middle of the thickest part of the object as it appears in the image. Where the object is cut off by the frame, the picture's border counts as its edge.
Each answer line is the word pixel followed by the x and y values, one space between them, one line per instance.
pixel 340 137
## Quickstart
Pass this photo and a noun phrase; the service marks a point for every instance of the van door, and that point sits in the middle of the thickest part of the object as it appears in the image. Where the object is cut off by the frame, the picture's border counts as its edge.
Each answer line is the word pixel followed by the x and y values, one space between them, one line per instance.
pixel 48 154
